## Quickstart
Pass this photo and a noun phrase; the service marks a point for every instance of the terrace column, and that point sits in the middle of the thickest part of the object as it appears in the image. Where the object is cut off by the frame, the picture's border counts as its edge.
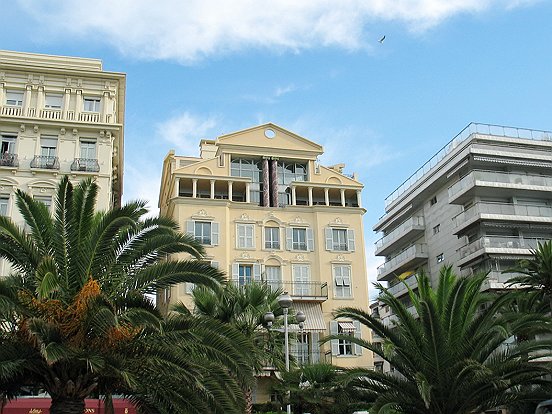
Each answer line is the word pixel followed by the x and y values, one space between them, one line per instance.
pixel 327 196
pixel 266 183
pixel 66 100
pixel 274 181
pixel 40 99
pixel 194 187
pixel 230 190
pixel 359 198
pixel 293 196
pixel 247 192
pixel 310 196
pixel 78 104
pixel 27 100
pixel 1 94
pixel 342 191
pixel 212 189
pixel 103 106
pixel 176 190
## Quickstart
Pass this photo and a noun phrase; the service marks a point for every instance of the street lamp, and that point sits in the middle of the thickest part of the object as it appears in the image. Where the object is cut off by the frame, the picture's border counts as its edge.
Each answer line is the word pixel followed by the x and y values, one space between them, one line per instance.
pixel 285 301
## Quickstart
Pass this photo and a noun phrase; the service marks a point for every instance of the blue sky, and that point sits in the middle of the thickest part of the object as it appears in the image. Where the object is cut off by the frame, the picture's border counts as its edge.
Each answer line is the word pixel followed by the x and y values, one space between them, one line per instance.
pixel 199 68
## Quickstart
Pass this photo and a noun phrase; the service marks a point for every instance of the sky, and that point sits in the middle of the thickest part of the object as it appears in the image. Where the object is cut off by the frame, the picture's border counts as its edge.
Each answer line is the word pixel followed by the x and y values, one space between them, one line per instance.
pixel 201 68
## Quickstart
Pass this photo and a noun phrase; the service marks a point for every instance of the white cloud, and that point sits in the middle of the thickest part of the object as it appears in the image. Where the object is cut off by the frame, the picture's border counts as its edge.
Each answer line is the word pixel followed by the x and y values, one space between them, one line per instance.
pixel 187 31
pixel 185 131
pixel 143 184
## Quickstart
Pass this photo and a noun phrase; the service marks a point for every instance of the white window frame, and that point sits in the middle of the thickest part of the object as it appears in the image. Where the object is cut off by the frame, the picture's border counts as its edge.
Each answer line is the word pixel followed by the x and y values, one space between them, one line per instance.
pixel 269 240
pixel 4 204
pixel 46 200
pixel 340 345
pixel 241 279
pixel 214 237
pixel 342 276
pixel 88 145
pixel 16 98
pixel 9 141
pixel 91 104
pixel 294 243
pixel 245 236
pixel 336 243
pixel 273 277
pixel 301 274
pixel 47 146
pixel 53 101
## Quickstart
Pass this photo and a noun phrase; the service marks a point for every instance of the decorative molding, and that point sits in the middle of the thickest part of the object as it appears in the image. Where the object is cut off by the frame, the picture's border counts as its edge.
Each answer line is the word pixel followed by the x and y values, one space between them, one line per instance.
pixel 202 215
pixel 337 222
pixel 35 129
pixel 300 257
pixel 62 131
pixel 245 256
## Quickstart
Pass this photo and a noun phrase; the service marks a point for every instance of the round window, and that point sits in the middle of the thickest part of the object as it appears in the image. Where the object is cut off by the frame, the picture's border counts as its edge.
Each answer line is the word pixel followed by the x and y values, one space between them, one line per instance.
pixel 269 133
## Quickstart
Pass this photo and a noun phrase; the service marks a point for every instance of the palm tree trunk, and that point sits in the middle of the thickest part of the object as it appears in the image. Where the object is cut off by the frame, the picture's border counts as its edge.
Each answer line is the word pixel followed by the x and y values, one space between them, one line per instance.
pixel 67 405
pixel 248 396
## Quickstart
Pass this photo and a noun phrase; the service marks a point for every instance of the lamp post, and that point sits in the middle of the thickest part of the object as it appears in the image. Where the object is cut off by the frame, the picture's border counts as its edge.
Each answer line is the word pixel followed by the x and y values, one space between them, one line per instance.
pixel 285 301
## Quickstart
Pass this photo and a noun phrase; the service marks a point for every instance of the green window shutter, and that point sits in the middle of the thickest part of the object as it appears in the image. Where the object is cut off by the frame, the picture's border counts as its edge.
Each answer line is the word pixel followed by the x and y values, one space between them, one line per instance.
pixel 215 233
pixel 350 240
pixel 358 348
pixel 334 342
pixel 329 238
pixel 310 240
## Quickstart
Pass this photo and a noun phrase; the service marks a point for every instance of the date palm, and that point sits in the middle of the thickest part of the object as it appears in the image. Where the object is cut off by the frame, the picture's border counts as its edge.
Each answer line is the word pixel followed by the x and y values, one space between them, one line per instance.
pixel 449 355
pixel 535 274
pixel 75 320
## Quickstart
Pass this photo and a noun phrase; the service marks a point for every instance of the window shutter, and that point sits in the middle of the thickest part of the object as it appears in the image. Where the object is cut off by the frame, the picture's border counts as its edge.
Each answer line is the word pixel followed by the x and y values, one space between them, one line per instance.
pixel 335 342
pixel 215 264
pixel 215 233
pixel 358 348
pixel 350 240
pixel 257 272
pixel 235 271
pixel 310 240
pixel 289 238
pixel 315 347
pixel 190 227
pixel 250 235
pixel 329 238
pixel 346 276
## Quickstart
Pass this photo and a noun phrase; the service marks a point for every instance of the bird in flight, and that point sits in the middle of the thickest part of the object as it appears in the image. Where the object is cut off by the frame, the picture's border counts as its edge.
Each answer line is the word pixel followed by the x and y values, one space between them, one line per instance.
pixel 382 39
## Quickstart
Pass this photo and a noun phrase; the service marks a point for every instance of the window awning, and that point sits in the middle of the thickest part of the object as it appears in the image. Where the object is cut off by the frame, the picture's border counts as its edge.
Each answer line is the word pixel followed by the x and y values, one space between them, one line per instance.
pixel 512 161
pixel 314 318
pixel 347 327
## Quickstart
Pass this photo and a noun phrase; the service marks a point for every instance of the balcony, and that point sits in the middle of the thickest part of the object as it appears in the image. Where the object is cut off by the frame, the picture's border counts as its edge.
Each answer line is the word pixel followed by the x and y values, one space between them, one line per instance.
pixel 409 258
pixel 85 165
pixel 503 212
pixel 45 162
pixel 497 280
pixel 306 357
pixel 301 291
pixel 406 232
pixel 499 245
pixel 51 114
pixel 9 160
pixel 402 286
pixel 497 183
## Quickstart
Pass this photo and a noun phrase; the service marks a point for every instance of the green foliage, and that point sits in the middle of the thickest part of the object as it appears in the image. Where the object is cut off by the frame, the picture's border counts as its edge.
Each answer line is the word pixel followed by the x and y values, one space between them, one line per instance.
pixel 75 319
pixel 450 358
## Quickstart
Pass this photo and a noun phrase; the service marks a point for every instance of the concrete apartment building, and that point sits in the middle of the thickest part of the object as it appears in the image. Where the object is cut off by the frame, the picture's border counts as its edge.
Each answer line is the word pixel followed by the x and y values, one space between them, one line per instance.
pixel 480 204
pixel 59 115
pixel 267 211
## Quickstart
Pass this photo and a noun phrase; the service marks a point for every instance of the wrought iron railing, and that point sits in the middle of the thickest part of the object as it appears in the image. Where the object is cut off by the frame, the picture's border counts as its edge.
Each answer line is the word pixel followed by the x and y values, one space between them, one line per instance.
pixel 85 164
pixel 46 162
pixel 9 160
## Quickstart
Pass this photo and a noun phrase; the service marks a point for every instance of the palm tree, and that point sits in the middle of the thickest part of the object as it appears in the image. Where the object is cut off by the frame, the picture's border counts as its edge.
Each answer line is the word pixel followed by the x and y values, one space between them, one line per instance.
pixel 449 357
pixel 244 307
pixel 75 321
pixel 535 274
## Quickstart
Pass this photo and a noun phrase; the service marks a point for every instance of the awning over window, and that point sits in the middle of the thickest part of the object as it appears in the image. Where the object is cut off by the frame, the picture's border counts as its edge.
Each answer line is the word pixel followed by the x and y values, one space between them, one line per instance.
pixel 512 161
pixel 314 318
pixel 347 327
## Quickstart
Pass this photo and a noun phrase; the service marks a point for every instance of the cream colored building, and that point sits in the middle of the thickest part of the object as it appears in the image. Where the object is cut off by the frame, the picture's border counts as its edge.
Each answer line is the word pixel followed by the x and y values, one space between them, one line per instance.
pixel 59 115
pixel 267 211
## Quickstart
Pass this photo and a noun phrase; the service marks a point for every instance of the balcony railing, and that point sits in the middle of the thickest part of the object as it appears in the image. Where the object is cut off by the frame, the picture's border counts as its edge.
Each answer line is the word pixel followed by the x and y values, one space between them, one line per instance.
pixel 300 290
pixel 498 177
pixel 89 117
pixel 46 162
pixel 9 160
pixel 56 114
pixel 467 132
pixel 400 287
pixel 504 209
pixel 85 164
pixel 12 110
pixel 406 226
pixel 414 251
pixel 51 113
pixel 306 357
pixel 500 242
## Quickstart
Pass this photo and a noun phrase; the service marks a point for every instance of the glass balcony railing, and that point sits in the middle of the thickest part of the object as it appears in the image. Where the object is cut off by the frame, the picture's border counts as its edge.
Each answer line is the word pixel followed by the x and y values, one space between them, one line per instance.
pixel 500 242
pixel 412 252
pixel 498 177
pixel 405 227
pixel 400 287
pixel 504 209
pixel 464 135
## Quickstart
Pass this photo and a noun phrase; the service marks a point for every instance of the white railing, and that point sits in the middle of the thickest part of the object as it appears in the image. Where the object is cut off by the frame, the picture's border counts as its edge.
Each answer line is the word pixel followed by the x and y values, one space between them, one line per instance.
pixel 467 132
pixel 56 114
pixel 505 209
pixel 50 114
pixel 407 254
pixel 89 117
pixel 12 110
pixel 406 225
pixel 500 242
pixel 498 177
pixel 411 282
